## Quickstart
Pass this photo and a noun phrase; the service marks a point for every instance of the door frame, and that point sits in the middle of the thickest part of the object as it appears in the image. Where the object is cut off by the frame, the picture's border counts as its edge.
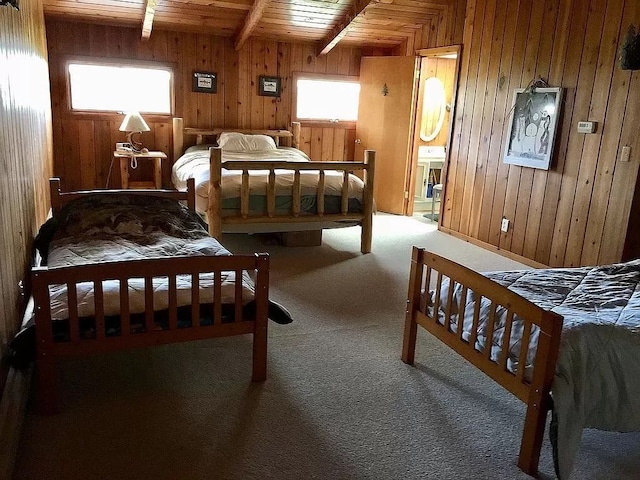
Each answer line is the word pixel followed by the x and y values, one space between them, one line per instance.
pixel 413 164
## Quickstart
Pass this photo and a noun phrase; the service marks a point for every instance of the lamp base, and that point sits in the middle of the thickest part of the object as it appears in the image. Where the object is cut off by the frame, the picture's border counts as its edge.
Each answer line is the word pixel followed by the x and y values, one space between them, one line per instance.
pixel 136 146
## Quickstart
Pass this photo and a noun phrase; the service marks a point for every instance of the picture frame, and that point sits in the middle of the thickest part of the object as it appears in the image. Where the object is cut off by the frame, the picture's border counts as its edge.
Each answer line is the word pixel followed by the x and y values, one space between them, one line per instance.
pixel 204 82
pixel 532 130
pixel 269 86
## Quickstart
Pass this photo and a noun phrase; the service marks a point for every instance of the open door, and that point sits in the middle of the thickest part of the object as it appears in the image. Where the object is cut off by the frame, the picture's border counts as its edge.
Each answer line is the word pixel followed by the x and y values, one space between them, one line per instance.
pixel 386 125
pixel 434 112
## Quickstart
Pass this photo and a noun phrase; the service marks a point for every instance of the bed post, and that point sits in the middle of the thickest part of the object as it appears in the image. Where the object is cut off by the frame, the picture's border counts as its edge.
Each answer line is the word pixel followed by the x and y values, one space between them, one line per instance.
pixel 191 194
pixel 295 129
pixel 413 300
pixel 214 207
pixel 539 402
pixel 261 321
pixel 46 370
pixel 367 201
pixel 178 137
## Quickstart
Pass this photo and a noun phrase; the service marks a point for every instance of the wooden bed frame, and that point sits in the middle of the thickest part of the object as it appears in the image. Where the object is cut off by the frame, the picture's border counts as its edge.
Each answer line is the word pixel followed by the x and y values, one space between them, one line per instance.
pixel 48 350
pixel 424 267
pixel 218 224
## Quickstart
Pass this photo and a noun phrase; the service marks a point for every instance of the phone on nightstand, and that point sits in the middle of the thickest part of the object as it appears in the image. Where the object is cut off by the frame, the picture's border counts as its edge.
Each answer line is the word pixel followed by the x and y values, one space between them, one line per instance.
pixel 124 147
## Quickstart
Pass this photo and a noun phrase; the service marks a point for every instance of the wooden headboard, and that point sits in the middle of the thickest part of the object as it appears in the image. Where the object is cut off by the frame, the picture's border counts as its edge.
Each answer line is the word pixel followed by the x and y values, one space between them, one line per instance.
pixel 281 137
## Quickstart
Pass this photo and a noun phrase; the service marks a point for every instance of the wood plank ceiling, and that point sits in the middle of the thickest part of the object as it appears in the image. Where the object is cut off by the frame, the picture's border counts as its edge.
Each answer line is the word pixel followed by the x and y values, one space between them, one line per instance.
pixel 372 23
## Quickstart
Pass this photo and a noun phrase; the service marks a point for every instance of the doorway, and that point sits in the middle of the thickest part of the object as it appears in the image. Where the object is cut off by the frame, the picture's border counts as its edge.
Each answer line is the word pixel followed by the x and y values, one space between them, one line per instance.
pixel 434 113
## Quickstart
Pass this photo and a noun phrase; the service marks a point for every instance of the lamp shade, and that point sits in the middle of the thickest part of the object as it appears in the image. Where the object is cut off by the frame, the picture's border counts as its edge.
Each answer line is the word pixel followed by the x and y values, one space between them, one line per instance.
pixel 133 122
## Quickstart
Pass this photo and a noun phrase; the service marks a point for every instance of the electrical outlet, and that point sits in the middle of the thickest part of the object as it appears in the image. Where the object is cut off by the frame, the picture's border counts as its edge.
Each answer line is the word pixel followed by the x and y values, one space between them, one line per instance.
pixel 505 225
pixel 625 154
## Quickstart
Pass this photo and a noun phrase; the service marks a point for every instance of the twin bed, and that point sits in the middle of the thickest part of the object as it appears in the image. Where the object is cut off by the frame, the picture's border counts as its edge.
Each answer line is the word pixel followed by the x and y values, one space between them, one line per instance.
pixel 259 181
pixel 573 342
pixel 127 269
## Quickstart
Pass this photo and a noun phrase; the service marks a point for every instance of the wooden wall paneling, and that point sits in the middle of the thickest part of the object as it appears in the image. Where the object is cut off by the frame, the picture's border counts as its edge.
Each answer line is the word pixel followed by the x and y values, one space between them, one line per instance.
pixel 159 45
pixel 332 61
pixel 270 104
pixel 284 71
pixel 456 161
pixel 326 152
pixel 339 137
pixel 567 45
pixel 25 154
pixel 316 143
pixel 510 199
pixel 532 54
pixel 613 178
pixel 540 177
pixel 482 111
pixel 102 143
pixel 305 140
pixel 350 144
pixel 86 154
pixel 625 180
pixel 607 165
pixel 584 89
pixel 174 55
pixel 97 45
pixel 496 172
pixel 162 141
pixel 202 63
pixel 510 79
pixel 218 52
pixel 605 61
pixel 464 176
pixel 308 58
pixel 344 59
pixel 244 86
pixel 229 76
pixel 257 68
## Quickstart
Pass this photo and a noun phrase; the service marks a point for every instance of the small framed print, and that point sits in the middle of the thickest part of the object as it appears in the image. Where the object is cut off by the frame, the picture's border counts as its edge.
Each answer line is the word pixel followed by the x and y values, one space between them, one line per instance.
pixel 205 82
pixel 269 86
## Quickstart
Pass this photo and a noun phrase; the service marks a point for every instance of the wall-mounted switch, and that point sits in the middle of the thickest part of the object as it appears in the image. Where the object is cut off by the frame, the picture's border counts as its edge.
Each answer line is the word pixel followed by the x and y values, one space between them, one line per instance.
pixel 625 153
pixel 505 225
pixel 587 127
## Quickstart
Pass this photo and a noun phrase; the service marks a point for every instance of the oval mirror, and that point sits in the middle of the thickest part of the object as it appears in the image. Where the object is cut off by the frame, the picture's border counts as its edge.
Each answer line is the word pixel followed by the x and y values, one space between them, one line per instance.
pixel 434 108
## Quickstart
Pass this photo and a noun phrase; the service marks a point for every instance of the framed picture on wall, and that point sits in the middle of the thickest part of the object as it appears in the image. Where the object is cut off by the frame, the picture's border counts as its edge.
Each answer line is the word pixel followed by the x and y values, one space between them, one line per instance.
pixel 533 127
pixel 269 86
pixel 204 82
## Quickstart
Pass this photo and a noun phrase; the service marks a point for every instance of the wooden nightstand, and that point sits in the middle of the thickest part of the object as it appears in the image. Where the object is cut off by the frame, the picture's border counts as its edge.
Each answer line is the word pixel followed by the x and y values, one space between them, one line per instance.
pixel 125 160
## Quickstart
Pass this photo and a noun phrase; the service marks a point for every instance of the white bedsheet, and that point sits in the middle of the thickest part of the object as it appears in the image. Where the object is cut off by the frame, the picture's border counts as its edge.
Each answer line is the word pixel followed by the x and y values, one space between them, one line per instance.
pixel 196 165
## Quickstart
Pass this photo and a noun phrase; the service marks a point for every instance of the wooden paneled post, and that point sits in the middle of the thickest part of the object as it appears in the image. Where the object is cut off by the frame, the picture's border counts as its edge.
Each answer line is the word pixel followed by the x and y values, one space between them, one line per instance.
pixel 214 207
pixel 367 199
pixel 295 129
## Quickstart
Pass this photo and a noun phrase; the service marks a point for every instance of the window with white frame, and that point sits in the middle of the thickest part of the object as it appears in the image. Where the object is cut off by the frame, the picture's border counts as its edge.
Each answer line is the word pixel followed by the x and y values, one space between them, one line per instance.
pixel 120 87
pixel 321 98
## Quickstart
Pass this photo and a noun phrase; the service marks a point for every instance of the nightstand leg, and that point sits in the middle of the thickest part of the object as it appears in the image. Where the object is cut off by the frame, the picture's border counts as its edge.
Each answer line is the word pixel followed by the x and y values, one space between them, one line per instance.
pixel 124 172
pixel 158 172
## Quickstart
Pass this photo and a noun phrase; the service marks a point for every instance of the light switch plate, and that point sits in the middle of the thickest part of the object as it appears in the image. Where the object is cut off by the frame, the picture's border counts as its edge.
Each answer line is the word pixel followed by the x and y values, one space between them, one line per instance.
pixel 625 153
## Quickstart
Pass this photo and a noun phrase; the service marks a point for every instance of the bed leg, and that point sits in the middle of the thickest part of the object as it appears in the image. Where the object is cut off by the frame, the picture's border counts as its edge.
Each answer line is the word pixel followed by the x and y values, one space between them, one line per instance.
pixel 532 436
pixel 413 300
pixel 47 384
pixel 262 313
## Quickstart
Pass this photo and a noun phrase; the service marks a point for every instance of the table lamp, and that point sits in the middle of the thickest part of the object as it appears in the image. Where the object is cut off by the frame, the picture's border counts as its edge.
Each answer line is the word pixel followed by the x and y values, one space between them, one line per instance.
pixel 134 123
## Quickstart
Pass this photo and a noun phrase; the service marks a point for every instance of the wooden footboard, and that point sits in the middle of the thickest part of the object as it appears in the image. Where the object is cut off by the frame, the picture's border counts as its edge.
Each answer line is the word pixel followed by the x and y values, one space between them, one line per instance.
pixel 365 218
pixel 50 347
pixel 428 268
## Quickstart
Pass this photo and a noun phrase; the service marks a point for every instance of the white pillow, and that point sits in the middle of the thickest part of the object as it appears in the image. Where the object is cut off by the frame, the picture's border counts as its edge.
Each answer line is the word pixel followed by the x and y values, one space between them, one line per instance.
pixel 239 142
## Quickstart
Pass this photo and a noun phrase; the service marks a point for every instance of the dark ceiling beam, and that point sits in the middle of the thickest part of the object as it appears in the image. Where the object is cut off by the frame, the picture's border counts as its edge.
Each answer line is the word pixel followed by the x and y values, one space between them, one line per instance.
pixel 252 19
pixel 340 29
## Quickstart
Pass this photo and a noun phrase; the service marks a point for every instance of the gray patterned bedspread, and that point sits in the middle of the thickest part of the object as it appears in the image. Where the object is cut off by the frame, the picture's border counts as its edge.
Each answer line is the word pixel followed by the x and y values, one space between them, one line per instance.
pixel 596 382
pixel 129 227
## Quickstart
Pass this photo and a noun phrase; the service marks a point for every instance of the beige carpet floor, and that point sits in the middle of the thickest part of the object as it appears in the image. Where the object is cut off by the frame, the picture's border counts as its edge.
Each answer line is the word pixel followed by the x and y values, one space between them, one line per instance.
pixel 338 403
